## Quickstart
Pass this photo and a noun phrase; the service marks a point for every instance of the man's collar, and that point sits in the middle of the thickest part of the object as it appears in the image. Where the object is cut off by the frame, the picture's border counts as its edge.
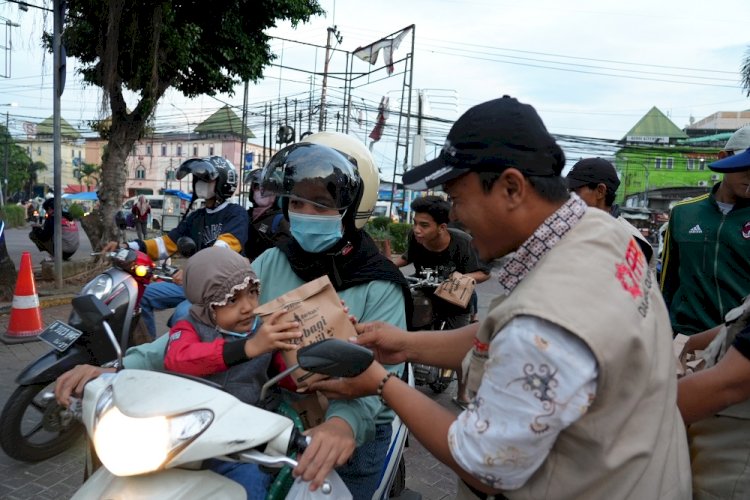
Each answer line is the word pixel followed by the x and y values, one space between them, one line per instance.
pixel 544 238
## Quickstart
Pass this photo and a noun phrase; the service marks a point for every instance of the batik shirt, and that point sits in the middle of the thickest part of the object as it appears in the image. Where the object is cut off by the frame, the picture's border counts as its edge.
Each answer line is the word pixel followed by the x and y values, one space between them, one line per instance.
pixel 526 400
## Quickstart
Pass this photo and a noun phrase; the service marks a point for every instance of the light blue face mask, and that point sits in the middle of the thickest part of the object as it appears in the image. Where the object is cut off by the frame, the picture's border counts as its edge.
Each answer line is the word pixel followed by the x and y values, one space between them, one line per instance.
pixel 315 233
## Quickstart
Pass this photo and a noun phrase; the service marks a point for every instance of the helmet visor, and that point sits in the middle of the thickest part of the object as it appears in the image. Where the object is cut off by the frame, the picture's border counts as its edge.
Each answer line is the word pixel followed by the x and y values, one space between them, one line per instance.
pixel 313 173
pixel 201 169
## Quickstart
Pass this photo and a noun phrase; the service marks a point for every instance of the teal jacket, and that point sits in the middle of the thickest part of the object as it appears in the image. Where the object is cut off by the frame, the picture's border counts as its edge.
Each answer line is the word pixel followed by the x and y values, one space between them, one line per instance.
pixel 705 263
pixel 377 300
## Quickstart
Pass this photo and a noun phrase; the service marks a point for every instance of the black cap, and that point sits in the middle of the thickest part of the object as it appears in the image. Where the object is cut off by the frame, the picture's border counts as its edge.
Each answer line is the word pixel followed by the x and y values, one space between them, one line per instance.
pixel 593 171
pixel 492 136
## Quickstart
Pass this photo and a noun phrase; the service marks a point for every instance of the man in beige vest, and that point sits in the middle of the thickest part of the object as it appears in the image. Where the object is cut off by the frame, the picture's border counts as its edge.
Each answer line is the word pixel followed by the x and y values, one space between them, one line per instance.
pixel 571 375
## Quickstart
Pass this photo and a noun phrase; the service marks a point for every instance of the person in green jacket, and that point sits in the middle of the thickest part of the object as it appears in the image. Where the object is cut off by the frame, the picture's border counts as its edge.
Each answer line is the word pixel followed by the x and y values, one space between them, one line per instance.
pixel 706 259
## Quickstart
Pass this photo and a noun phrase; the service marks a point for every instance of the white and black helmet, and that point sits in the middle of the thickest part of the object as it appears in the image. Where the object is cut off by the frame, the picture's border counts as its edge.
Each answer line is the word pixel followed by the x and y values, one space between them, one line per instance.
pixel 212 168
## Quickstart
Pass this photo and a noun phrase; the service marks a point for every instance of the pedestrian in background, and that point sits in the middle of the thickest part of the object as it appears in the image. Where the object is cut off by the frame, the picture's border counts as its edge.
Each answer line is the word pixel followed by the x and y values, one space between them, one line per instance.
pixel 141 210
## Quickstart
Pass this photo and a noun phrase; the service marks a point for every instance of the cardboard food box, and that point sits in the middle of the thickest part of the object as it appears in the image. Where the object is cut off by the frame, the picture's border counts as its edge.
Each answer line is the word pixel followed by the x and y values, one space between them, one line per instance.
pixel 457 289
pixel 318 310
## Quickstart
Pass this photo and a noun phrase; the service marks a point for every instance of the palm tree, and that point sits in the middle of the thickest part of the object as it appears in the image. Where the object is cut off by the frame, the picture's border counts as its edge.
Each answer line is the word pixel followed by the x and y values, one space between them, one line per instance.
pixel 91 174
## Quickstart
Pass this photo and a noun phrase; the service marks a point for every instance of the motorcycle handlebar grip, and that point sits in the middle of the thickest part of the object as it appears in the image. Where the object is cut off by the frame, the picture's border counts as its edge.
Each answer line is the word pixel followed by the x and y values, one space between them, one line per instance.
pixel 298 442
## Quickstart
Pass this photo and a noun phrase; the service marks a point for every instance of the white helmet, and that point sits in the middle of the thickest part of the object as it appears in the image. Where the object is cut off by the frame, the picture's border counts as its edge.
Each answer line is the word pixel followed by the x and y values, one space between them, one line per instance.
pixel 355 148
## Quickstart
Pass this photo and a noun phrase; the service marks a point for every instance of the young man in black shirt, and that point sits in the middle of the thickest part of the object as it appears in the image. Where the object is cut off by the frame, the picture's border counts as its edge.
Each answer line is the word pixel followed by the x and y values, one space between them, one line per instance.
pixel 433 245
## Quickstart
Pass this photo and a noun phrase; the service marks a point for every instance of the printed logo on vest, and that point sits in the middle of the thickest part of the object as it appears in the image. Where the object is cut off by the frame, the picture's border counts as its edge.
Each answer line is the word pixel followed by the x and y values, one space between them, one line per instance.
pixel 696 229
pixel 746 230
pixel 630 272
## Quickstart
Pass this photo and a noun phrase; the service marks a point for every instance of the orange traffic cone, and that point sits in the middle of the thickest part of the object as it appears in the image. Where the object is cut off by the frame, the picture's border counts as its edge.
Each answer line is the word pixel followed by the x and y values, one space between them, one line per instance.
pixel 25 316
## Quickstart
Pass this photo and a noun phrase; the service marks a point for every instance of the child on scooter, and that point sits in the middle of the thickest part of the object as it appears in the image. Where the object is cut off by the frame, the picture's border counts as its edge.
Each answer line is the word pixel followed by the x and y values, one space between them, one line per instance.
pixel 222 341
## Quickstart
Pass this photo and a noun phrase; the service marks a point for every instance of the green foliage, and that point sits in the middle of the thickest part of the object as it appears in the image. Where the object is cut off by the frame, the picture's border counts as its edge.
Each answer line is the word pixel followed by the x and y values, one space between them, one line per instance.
pixel 21 170
pixel 396 233
pixel 400 233
pixel 76 211
pixel 377 233
pixel 13 215
pixel 184 45
pixel 381 223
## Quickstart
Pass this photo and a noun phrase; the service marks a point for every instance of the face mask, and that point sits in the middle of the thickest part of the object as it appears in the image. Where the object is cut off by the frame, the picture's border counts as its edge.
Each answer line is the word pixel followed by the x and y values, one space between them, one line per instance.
pixel 315 233
pixel 262 201
pixel 204 190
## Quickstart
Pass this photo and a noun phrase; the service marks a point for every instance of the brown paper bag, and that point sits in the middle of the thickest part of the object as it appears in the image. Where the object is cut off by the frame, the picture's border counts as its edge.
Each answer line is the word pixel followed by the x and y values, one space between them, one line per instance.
pixel 318 310
pixel 457 289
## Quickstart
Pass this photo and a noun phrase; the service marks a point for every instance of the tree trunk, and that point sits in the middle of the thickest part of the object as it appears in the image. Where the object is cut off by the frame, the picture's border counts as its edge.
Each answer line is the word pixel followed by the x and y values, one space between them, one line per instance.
pixel 8 273
pixel 93 226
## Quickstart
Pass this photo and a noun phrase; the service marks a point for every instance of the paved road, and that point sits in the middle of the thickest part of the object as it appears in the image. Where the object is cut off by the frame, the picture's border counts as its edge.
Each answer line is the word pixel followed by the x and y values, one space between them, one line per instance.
pixel 59 477
pixel 17 241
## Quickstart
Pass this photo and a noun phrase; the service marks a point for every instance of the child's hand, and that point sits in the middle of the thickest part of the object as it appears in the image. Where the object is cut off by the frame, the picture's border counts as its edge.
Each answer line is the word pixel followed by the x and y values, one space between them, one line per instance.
pixel 273 335
pixel 352 319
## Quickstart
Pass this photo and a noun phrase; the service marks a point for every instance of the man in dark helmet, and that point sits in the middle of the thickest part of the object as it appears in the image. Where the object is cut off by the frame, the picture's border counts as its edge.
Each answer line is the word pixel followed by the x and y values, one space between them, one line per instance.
pixel 268 226
pixel 218 223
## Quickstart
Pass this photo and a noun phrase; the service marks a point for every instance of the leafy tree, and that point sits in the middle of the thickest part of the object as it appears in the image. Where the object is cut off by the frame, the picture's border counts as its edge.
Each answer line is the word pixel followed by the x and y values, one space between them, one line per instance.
pixel 148 46
pixel 90 174
pixel 20 167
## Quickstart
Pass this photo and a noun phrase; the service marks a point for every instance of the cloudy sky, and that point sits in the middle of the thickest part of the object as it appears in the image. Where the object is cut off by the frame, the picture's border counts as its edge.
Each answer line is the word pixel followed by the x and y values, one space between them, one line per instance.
pixel 591 68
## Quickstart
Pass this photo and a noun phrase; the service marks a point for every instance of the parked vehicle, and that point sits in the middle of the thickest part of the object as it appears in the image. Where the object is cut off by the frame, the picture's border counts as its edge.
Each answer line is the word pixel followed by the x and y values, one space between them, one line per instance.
pixel 152 430
pixel 424 317
pixel 33 426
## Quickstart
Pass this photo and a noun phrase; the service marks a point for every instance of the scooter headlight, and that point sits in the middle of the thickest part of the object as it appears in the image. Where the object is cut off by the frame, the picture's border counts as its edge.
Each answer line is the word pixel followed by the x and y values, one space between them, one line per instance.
pixel 141 271
pixel 99 286
pixel 128 446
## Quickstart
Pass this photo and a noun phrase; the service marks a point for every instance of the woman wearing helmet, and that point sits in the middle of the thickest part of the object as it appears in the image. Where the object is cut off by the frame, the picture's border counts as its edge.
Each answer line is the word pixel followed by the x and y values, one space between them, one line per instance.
pixel 328 185
pixel 268 226
pixel 219 223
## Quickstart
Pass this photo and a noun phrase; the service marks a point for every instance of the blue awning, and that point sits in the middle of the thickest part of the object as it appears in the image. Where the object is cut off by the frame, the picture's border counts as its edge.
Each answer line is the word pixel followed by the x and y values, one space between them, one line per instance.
pixel 84 196
pixel 180 194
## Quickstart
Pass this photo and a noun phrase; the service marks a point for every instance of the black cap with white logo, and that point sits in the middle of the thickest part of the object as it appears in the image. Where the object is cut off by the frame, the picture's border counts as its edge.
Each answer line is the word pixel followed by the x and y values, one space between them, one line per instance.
pixel 492 136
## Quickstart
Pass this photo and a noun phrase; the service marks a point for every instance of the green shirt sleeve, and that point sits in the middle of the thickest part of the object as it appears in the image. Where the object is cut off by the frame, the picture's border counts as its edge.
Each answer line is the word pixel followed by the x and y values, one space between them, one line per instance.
pixel 147 356
pixel 383 301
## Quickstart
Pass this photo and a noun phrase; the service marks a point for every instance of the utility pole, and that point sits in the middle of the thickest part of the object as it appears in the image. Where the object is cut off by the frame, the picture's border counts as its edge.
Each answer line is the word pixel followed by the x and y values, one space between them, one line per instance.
pixel 7 147
pixel 336 33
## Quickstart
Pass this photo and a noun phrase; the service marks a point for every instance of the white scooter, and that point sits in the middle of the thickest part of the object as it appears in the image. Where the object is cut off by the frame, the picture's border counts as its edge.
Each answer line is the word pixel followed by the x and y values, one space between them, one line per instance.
pixel 153 430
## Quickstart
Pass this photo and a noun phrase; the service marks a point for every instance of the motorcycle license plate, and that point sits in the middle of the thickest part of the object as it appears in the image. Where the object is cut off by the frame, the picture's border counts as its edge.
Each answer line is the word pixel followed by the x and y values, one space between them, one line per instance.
pixel 60 336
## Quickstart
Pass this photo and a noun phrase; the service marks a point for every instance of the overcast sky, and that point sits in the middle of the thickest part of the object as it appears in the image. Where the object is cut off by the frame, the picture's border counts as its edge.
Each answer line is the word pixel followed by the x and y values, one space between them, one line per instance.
pixel 591 68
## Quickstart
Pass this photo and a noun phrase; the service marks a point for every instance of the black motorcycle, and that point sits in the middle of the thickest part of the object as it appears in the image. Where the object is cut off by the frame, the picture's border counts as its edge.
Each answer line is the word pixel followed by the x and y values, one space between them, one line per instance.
pixel 424 317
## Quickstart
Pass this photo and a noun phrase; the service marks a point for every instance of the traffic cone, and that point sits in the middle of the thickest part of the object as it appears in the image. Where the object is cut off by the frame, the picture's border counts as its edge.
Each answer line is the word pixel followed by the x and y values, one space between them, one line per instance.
pixel 25 316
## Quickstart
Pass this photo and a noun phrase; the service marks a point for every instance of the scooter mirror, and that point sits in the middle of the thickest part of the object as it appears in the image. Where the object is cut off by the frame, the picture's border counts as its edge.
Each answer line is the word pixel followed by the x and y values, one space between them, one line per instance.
pixel 91 310
pixel 334 357
pixel 186 246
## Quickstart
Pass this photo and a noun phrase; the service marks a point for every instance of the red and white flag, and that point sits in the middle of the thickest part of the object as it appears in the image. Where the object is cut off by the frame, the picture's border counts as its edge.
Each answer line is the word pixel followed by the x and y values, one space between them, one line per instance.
pixel 383 114
pixel 387 45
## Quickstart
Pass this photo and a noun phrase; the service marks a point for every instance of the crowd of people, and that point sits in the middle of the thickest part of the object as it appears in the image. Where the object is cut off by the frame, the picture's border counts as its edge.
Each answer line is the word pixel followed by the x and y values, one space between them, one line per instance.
pixel 567 387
